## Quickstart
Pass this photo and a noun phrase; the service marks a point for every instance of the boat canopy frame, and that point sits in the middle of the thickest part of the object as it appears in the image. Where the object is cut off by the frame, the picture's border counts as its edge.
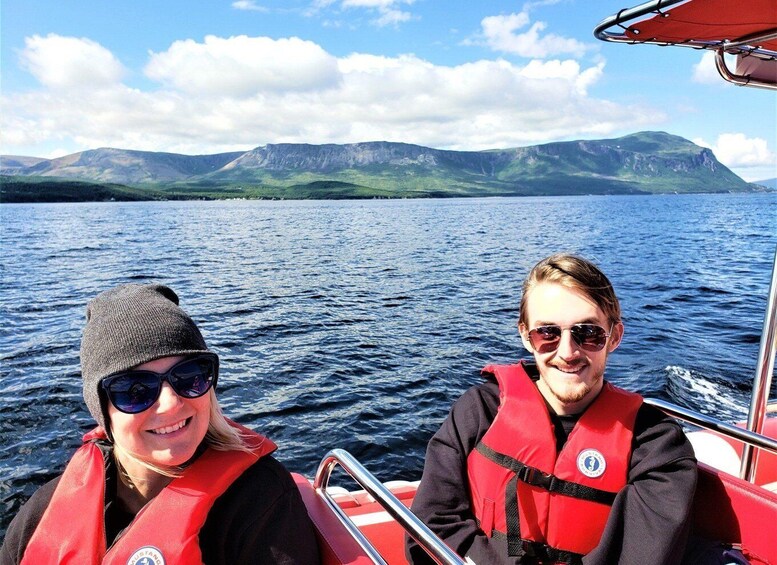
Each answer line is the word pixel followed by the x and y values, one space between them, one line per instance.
pixel 678 22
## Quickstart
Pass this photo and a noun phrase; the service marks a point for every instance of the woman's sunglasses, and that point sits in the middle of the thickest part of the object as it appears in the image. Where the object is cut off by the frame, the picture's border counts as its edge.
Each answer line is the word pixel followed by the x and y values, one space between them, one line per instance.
pixel 134 391
pixel 590 337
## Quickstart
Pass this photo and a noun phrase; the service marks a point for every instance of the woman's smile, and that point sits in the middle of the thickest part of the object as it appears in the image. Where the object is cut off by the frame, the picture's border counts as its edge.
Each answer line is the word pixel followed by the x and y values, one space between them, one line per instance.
pixel 171 429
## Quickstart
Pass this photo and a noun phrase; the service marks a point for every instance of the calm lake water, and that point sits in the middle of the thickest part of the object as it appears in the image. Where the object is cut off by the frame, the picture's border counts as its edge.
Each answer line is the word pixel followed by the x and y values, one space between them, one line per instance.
pixel 356 324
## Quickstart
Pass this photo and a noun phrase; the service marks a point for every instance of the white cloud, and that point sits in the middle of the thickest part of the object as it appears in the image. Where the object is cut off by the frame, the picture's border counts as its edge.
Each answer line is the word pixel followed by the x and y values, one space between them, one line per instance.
pixel 389 12
pixel 391 17
pixel 498 30
pixel 249 5
pixel 379 4
pixel 567 72
pixel 500 33
pixel 739 151
pixel 242 66
pixel 70 62
pixel 750 158
pixel 704 71
pixel 318 5
pixel 226 94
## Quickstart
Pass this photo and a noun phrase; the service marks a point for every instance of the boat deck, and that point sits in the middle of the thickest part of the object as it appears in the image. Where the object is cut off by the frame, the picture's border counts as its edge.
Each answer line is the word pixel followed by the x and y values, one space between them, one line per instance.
pixel 725 508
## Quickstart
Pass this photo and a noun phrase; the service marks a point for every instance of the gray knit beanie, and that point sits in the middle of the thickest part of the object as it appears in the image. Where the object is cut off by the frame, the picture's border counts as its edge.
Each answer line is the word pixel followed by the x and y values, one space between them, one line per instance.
pixel 127 326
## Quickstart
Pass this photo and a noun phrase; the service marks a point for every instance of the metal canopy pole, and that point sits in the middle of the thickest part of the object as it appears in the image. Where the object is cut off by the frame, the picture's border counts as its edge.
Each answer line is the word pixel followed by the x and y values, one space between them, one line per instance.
pixel 618 19
pixel 763 378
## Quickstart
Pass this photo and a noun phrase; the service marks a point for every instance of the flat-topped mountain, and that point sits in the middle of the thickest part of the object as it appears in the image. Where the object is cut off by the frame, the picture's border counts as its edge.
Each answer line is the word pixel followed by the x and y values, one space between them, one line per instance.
pixel 646 162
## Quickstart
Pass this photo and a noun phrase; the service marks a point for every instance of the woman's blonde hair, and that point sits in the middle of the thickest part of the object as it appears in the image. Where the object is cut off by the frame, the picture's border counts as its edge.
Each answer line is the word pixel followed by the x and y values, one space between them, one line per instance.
pixel 221 436
pixel 575 272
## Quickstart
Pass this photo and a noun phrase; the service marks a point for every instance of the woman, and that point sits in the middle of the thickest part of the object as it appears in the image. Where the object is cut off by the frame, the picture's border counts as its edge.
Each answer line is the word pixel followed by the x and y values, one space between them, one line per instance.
pixel 165 477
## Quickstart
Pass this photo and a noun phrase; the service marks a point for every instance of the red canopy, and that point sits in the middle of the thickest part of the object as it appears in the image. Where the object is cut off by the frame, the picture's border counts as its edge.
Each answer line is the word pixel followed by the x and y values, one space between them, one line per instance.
pixel 744 28
pixel 715 21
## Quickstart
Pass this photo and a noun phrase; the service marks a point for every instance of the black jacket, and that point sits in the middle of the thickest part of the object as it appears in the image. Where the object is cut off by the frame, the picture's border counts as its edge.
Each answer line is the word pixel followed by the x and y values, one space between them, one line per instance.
pixel 649 521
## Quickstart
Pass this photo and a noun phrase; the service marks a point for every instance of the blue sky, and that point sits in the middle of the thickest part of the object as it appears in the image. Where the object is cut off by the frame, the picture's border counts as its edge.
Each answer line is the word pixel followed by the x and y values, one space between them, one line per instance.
pixel 226 75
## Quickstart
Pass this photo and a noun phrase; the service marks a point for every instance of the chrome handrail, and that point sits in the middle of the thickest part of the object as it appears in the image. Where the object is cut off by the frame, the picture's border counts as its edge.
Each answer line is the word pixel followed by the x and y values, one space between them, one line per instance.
pixel 600 31
pixel 747 437
pixel 433 545
pixel 763 377
pixel 739 80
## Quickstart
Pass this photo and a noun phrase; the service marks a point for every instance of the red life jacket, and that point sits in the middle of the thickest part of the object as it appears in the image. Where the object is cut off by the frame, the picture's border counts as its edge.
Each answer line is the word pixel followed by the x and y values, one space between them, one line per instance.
pixel 563 500
pixel 166 530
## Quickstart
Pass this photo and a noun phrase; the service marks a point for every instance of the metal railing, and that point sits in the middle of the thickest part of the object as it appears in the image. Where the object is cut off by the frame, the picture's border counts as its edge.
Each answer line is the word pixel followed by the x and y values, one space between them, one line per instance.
pixel 740 79
pixel 627 15
pixel 383 496
pixel 759 401
pixel 703 421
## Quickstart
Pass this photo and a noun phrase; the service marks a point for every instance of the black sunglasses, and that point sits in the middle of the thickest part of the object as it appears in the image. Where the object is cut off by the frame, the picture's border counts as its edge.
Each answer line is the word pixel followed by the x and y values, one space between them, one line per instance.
pixel 590 337
pixel 134 391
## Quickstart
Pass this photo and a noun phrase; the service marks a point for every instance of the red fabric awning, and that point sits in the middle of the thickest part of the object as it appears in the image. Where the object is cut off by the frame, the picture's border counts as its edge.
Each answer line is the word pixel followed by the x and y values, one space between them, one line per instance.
pixel 709 20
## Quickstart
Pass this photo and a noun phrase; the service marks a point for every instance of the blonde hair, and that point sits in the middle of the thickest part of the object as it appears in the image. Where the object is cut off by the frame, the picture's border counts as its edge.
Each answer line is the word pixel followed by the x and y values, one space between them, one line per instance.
pixel 575 272
pixel 221 436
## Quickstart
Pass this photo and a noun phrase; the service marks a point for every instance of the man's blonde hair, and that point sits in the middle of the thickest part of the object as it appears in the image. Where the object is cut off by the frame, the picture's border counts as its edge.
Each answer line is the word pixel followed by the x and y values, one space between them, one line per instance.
pixel 574 272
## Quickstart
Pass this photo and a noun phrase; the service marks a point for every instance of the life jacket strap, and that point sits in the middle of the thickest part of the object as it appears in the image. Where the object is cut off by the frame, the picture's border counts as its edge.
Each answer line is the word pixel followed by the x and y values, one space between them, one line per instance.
pixel 542 553
pixel 547 481
pixel 514 542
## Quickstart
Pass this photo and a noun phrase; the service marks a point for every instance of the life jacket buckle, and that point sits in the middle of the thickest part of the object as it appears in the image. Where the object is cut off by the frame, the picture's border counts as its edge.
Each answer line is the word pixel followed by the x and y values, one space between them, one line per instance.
pixel 529 548
pixel 537 478
pixel 535 549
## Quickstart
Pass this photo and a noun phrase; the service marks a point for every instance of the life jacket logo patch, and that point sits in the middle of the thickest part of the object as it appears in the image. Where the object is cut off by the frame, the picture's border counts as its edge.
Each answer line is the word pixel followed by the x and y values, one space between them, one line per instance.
pixel 591 463
pixel 147 556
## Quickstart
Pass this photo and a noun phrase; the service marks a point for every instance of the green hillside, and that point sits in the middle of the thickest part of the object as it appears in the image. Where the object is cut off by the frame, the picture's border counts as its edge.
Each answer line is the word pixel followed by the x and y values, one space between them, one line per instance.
pixel 640 163
pixel 15 189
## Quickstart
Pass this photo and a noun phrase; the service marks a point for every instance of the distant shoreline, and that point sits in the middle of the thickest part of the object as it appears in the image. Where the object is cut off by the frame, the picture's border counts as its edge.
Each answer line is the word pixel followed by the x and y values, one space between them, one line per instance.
pixel 70 197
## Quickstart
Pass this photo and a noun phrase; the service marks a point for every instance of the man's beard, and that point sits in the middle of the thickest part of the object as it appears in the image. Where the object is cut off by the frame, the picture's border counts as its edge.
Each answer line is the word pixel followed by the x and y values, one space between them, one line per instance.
pixel 568 393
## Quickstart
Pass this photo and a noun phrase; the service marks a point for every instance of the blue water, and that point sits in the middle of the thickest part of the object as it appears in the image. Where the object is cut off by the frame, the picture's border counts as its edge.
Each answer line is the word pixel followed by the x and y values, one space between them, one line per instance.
pixel 356 324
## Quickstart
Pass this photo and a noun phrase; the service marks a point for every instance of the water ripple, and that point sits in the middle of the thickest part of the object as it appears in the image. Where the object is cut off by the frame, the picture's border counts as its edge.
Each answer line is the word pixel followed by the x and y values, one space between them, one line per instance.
pixel 358 324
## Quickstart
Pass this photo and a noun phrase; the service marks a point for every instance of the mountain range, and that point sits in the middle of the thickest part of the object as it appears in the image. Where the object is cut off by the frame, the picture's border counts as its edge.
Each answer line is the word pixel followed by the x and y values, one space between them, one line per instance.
pixel 644 162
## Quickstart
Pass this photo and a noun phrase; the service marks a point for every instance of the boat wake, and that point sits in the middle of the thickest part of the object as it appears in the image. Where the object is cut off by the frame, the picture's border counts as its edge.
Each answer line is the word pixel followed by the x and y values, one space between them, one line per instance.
pixel 715 396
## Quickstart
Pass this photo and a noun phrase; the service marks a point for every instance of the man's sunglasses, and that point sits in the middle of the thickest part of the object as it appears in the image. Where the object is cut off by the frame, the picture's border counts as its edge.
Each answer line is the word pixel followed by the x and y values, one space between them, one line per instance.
pixel 589 337
pixel 134 391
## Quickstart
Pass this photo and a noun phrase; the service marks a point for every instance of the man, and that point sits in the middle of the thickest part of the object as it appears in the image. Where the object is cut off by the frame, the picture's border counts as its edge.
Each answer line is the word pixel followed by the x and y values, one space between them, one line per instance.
pixel 546 462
